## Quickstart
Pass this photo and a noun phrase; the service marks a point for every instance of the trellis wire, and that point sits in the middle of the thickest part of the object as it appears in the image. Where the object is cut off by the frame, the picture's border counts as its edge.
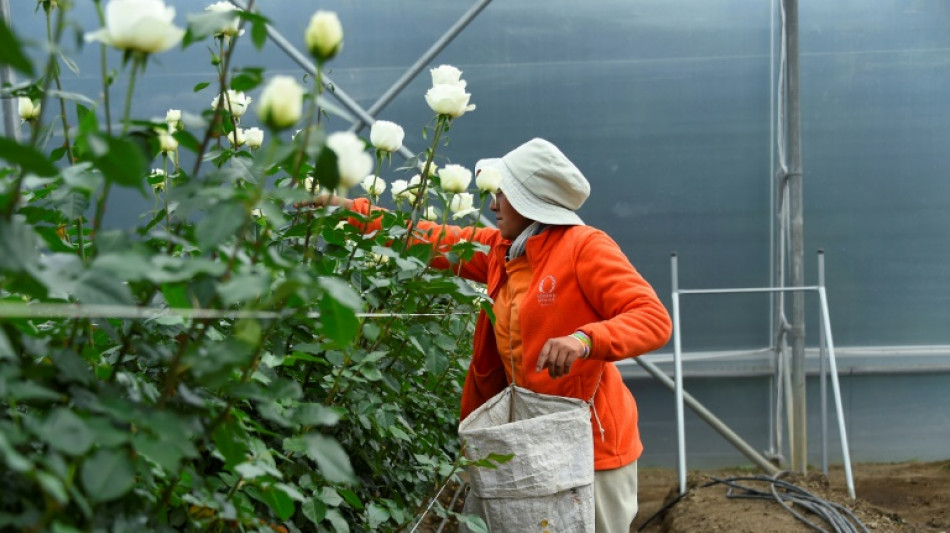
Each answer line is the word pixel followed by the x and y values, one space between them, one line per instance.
pixel 23 310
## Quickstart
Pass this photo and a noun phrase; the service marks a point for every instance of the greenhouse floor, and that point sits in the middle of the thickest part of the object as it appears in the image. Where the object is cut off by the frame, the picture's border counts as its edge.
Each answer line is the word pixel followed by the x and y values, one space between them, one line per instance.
pixel 891 497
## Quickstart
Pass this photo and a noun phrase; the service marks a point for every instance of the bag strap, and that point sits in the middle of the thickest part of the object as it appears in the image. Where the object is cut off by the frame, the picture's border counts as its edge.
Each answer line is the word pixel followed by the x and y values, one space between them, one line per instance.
pixel 591 402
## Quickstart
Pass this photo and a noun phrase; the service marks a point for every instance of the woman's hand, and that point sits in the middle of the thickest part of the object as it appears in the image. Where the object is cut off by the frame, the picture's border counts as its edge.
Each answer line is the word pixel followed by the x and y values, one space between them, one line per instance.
pixel 324 200
pixel 558 354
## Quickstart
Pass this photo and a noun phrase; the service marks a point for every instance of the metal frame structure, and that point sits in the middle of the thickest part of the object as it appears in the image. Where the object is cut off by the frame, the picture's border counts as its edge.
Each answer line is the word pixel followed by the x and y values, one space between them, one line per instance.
pixel 6 77
pixel 827 355
pixel 789 180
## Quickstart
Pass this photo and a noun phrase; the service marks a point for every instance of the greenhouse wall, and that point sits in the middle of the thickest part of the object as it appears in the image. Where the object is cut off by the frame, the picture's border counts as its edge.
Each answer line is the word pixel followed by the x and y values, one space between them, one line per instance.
pixel 669 109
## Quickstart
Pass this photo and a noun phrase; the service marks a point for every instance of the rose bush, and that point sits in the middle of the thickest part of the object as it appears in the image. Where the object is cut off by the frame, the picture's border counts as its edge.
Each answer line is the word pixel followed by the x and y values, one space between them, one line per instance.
pixel 237 360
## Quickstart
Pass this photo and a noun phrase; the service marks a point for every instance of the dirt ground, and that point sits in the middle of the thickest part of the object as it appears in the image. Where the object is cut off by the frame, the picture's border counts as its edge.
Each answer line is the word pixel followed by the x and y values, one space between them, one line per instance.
pixel 891 497
pixel 908 497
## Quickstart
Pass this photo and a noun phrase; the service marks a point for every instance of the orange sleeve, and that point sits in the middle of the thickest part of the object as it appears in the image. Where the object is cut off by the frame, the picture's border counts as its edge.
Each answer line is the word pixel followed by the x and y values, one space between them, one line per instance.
pixel 442 238
pixel 635 321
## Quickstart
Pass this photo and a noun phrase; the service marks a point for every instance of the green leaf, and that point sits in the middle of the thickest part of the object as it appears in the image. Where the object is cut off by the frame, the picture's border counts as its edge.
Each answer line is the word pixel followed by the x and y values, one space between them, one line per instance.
pixel 326 170
pixel 12 458
pixel 26 157
pixel 377 515
pixel 59 527
pixel 223 221
pixel 66 432
pixel 475 524
pixel 314 509
pixel 247 78
pixel 201 25
pixel 200 86
pixel 330 457
pixel 161 452
pixel 76 97
pixel 121 160
pixel 351 498
pixel 52 486
pixel 11 52
pixel 338 322
pixel 259 33
pixel 315 414
pixel 108 474
pixel 342 292
pixel 176 295
pixel 336 519
pixel 230 440
pixel 6 349
pixel 99 286
pixel 18 246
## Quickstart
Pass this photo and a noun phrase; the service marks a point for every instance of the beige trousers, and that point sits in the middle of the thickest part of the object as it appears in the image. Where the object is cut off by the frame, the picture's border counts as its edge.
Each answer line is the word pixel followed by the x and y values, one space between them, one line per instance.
pixel 615 499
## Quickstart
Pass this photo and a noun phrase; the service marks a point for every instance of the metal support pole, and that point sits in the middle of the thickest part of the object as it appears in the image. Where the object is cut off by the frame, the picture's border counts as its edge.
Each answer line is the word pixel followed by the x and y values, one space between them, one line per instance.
pixel 304 63
pixel 823 373
pixel 797 270
pixel 420 63
pixel 711 419
pixel 10 112
pixel 678 375
pixel 836 389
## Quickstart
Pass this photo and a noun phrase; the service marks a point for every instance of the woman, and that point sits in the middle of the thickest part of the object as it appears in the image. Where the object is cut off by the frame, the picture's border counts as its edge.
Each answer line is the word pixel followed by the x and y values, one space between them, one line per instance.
pixel 567 304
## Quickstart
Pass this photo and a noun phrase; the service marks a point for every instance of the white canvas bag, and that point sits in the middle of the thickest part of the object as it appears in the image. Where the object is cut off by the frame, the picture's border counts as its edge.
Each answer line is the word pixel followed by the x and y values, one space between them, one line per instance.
pixel 549 483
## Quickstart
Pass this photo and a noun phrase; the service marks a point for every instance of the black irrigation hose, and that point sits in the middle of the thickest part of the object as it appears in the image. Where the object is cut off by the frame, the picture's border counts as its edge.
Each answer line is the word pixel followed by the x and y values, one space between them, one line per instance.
pixel 840 518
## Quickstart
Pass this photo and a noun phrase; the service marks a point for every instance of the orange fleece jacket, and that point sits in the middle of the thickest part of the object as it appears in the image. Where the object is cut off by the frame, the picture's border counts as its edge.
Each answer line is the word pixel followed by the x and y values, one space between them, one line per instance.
pixel 581 280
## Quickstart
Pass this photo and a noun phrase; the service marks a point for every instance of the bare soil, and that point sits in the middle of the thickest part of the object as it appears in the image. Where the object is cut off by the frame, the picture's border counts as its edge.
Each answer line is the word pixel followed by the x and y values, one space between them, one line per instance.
pixel 891 497
pixel 907 497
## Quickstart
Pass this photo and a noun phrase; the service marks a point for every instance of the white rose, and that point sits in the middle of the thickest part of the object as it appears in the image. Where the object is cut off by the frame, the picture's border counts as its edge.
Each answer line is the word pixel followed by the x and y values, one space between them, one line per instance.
pixel 462 204
pixel 173 116
pixel 138 25
pixel 373 185
pixel 352 160
pixel 386 136
pixel 449 99
pixel 254 137
pixel 400 191
pixel 431 214
pixel 310 185
pixel 433 169
pixel 281 102
pixel 236 137
pixel 166 141
pixel 157 184
pixel 455 178
pixel 324 35
pixel 488 180
pixel 231 28
pixel 236 102
pixel 446 74
pixel 28 110
pixel 257 213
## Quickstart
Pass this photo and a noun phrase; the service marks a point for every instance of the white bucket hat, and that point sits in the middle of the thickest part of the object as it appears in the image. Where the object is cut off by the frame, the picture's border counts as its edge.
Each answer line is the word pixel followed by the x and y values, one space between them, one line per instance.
pixel 541 183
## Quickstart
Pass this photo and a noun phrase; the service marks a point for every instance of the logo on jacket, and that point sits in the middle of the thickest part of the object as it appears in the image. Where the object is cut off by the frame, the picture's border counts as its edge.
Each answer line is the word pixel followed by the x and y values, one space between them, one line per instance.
pixel 546 288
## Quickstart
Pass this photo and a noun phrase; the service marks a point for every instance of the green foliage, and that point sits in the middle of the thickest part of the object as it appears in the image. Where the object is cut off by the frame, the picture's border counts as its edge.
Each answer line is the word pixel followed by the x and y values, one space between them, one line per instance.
pixel 260 390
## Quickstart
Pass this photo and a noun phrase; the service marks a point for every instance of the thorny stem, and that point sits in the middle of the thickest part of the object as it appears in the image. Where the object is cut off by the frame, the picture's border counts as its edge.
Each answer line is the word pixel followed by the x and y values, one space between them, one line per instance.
pixel 35 131
pixel 66 142
pixel 421 192
pixel 167 184
pixel 138 61
pixel 318 87
pixel 225 65
pixel 105 75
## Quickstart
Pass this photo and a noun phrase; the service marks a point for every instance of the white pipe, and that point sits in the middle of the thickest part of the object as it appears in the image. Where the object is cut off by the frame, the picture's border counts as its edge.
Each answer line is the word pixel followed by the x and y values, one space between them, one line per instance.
pixel 823 372
pixel 845 453
pixel 678 380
